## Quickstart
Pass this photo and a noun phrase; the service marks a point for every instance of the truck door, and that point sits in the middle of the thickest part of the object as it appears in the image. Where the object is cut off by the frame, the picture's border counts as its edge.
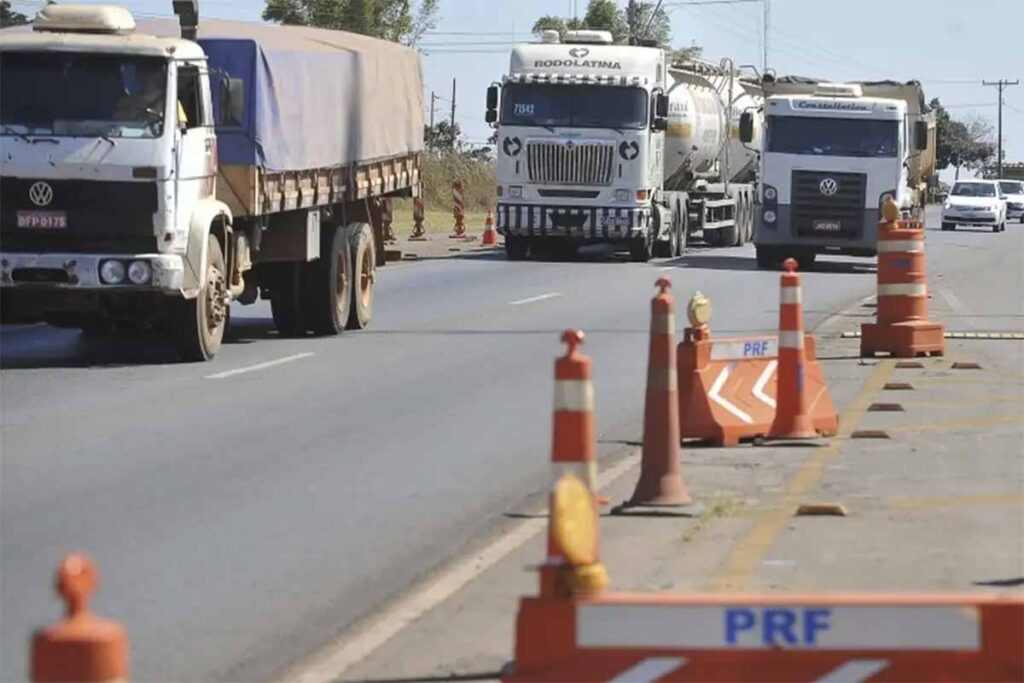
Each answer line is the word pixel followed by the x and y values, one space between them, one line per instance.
pixel 196 140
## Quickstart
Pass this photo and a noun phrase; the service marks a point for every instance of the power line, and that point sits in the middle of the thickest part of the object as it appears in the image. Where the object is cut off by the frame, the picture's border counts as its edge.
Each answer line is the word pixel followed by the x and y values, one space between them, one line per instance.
pixel 1001 84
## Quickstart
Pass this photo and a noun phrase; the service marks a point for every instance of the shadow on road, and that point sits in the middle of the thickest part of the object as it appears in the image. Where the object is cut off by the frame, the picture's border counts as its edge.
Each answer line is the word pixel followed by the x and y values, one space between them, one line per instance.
pixel 47 347
pixel 708 260
pixel 1001 583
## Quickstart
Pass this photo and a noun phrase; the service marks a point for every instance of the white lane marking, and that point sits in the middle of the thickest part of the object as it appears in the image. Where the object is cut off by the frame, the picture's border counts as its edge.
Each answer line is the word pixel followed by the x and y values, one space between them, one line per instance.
pixel 650 670
pixel 956 304
pixel 762 381
pixel 260 366
pixel 331 662
pixel 717 386
pixel 857 671
pixel 667 268
pixel 534 299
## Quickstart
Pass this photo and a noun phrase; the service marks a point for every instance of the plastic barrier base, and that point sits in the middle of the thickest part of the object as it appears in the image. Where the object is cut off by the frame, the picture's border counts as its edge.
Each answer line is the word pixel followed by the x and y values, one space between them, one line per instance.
pixel 902 340
pixel 727 388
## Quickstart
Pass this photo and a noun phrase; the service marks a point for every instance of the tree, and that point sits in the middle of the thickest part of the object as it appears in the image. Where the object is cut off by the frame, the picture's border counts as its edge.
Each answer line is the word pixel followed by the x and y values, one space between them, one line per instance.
pixel 552 23
pixel 443 136
pixel 395 20
pixel 687 54
pixel 605 15
pixel 961 143
pixel 643 26
pixel 8 17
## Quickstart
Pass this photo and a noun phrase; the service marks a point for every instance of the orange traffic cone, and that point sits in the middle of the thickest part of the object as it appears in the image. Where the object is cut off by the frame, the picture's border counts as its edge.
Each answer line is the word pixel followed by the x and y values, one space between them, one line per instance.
pixel 661 481
pixel 792 420
pixel 573 442
pixel 490 237
pixel 81 647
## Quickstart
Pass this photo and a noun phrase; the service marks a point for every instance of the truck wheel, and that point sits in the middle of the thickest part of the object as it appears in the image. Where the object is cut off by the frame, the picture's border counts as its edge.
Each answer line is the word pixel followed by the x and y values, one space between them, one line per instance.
pixel 328 282
pixel 286 299
pixel 806 261
pixel 948 226
pixel 684 230
pixel 730 236
pixel 767 258
pixel 516 248
pixel 200 322
pixel 641 250
pixel 364 262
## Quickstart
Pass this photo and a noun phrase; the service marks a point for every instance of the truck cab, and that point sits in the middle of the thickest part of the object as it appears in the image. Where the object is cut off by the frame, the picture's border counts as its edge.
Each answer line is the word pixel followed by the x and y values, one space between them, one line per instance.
pixel 580 144
pixel 832 153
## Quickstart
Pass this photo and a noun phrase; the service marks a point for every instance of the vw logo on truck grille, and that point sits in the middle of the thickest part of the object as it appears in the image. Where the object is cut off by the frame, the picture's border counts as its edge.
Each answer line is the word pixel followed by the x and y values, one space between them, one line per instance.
pixel 828 187
pixel 40 193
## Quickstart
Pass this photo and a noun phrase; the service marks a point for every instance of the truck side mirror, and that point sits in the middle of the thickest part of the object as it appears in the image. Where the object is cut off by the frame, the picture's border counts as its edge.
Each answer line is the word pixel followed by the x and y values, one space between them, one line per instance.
pixel 232 101
pixel 660 119
pixel 492 104
pixel 920 135
pixel 746 127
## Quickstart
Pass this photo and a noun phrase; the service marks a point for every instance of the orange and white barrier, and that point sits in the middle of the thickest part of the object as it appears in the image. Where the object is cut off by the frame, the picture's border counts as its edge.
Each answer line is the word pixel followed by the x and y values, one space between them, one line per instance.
pixel 418 214
pixel 792 416
pixel 80 647
pixel 458 210
pixel 661 481
pixel 728 386
pixel 822 638
pixel 490 237
pixel 902 328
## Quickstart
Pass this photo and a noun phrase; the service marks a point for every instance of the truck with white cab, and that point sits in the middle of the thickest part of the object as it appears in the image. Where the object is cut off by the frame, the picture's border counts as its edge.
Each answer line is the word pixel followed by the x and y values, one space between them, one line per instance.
pixel 153 174
pixel 598 142
pixel 832 153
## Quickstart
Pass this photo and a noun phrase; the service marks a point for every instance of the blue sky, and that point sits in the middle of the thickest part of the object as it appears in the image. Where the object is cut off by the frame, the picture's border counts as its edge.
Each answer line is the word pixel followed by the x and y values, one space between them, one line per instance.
pixel 949 45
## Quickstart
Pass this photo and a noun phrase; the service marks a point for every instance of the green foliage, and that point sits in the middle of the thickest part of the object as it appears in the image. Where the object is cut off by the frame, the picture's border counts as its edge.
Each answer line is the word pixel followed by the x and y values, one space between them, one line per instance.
pixel 477 176
pixel 961 143
pixel 606 15
pixel 395 20
pixel 8 17
pixel 443 136
pixel 643 26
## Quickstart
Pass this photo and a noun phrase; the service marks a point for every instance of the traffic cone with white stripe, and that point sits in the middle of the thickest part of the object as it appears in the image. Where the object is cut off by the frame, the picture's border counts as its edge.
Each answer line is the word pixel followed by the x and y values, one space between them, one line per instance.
pixel 81 647
pixel 792 418
pixel 661 481
pixel 902 328
pixel 490 237
pixel 573 443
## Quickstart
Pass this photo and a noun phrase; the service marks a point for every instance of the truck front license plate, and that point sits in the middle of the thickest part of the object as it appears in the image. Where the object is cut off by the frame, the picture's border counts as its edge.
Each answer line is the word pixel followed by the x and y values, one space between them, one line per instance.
pixel 827 226
pixel 43 220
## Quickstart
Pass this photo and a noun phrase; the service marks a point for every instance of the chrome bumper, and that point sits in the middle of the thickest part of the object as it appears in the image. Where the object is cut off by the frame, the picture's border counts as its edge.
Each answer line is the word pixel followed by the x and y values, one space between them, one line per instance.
pixel 83 271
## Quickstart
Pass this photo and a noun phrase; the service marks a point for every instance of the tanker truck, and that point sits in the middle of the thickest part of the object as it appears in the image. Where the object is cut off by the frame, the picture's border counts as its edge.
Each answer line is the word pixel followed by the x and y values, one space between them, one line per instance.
pixel 155 174
pixel 611 143
pixel 833 152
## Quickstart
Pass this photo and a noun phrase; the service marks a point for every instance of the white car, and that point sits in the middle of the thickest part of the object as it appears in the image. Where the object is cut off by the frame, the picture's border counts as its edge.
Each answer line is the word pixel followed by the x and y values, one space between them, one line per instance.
pixel 1014 191
pixel 975 202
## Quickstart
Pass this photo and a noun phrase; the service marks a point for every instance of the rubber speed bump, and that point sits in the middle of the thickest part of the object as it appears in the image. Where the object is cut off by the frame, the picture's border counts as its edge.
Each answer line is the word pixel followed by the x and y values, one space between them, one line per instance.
pixel 821 510
pixel 870 434
pixel 966 366
pixel 898 386
pixel 885 408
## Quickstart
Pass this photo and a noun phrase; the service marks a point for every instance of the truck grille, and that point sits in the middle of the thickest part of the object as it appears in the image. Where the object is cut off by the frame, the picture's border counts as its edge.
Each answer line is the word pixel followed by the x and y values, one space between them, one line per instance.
pixel 115 216
pixel 576 164
pixel 814 210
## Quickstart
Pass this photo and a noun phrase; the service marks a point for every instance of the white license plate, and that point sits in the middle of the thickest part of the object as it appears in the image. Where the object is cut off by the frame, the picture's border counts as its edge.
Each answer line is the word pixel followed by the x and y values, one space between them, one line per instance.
pixel 43 220
pixel 827 226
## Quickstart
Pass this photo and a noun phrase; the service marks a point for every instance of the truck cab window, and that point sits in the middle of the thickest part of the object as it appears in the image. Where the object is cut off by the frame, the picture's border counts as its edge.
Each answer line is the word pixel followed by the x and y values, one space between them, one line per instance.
pixel 190 99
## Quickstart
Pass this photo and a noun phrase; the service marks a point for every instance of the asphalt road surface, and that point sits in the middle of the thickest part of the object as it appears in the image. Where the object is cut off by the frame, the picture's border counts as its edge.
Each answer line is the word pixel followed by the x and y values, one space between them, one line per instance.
pixel 244 511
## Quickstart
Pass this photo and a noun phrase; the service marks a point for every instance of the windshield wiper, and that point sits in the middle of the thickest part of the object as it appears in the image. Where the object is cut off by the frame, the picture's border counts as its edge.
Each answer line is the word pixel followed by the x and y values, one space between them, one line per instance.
pixel 10 131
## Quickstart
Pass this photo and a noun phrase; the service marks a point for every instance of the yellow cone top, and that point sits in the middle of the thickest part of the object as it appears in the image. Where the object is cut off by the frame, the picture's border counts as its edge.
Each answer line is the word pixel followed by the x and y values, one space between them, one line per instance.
pixel 573 520
pixel 699 310
pixel 890 210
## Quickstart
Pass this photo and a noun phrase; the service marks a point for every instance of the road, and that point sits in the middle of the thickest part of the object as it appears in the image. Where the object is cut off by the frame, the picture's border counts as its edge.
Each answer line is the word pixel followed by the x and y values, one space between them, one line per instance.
pixel 243 512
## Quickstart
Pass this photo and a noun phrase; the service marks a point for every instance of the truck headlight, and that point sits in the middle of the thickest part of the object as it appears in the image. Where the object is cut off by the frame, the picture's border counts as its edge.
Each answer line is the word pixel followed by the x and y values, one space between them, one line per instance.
pixel 770 194
pixel 623 195
pixel 947 206
pixel 140 272
pixel 769 216
pixel 112 272
pixel 515 191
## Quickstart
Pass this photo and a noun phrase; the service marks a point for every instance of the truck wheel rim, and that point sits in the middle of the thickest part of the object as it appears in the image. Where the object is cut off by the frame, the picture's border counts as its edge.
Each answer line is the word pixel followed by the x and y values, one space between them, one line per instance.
pixel 365 278
pixel 215 299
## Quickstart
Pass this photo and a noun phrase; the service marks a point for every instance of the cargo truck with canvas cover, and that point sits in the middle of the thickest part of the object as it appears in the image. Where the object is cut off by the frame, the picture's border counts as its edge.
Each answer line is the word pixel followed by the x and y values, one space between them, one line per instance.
pixel 832 153
pixel 610 143
pixel 150 179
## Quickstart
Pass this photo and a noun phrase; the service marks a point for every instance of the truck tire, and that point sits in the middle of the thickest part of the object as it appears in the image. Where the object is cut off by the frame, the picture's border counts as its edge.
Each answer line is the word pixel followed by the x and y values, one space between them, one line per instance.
pixel 998 227
pixel 684 231
pixel 286 299
pixel 364 264
pixel 516 248
pixel 328 283
pixel 948 226
pixel 641 250
pixel 806 261
pixel 199 323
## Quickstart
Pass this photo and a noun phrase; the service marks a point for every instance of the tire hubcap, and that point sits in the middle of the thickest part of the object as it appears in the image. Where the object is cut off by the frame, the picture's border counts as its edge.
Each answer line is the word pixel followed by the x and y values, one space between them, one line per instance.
pixel 216 299
pixel 366 277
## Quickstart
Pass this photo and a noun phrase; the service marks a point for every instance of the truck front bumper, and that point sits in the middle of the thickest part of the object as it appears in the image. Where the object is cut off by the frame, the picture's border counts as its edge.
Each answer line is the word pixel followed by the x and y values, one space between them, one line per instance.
pixel 594 223
pixel 782 233
pixel 81 272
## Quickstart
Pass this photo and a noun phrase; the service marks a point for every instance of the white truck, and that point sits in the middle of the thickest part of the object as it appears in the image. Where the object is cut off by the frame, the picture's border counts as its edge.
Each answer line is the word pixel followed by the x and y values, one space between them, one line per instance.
pixel 152 175
pixel 611 143
pixel 832 153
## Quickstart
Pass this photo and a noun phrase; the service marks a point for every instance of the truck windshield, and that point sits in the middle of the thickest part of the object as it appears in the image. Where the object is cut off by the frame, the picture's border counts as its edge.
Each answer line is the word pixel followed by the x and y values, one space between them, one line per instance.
pixel 974 190
pixel 577 106
pixel 67 94
pixel 832 137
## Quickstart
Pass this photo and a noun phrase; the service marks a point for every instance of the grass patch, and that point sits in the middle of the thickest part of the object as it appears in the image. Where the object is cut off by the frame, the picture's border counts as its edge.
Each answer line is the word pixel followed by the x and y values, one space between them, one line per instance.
pixel 435 222
pixel 719 507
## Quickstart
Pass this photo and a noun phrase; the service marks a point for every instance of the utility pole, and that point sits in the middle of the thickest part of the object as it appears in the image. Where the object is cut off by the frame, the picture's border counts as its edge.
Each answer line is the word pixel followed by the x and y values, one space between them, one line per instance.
pixel 433 98
pixel 767 15
pixel 632 20
pixel 453 113
pixel 1002 84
